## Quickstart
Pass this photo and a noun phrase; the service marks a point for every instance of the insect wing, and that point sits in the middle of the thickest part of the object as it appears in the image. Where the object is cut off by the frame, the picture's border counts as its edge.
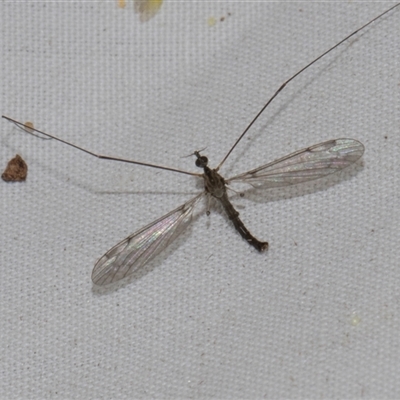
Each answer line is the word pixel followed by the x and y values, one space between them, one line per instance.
pixel 304 165
pixel 143 245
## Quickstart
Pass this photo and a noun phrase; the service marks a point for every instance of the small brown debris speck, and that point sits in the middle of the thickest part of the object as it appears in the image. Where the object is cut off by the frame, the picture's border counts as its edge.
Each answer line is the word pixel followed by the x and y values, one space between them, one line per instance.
pixel 16 170
pixel 29 126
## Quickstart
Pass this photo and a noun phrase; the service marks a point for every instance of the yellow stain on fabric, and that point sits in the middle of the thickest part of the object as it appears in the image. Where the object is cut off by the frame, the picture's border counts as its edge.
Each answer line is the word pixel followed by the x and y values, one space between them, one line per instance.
pixel 211 21
pixel 147 8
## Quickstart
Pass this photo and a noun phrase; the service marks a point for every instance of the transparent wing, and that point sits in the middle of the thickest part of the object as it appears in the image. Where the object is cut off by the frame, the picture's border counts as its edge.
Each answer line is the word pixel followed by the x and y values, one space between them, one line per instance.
pixel 143 245
pixel 304 165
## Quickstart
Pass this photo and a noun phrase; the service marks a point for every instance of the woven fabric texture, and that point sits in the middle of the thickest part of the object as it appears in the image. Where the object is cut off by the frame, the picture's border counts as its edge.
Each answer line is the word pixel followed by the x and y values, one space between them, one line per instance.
pixel 316 316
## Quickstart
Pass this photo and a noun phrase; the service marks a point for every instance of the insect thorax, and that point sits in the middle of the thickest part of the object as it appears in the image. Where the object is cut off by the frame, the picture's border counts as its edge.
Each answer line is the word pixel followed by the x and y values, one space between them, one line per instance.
pixel 214 183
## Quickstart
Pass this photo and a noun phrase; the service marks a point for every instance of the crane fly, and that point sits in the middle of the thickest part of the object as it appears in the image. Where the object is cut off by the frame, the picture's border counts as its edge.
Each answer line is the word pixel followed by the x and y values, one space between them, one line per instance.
pixel 305 165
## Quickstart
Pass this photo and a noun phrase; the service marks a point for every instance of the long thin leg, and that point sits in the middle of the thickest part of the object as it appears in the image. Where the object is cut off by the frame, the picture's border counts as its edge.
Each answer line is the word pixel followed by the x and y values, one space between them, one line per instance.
pixel 29 130
pixel 295 75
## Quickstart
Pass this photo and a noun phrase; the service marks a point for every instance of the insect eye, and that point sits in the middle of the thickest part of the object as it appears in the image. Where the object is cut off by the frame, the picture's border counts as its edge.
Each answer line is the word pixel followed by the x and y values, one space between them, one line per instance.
pixel 201 162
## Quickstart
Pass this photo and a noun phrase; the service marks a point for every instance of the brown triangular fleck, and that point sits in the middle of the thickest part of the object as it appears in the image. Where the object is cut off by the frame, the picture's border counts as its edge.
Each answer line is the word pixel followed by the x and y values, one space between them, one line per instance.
pixel 16 170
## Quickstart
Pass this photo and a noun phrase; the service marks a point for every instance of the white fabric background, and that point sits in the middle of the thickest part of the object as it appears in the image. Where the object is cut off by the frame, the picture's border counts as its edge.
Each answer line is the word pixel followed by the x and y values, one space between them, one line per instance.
pixel 317 316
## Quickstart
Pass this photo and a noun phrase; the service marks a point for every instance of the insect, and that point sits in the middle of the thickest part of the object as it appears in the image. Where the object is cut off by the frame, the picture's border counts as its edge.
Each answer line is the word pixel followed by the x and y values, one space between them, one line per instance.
pixel 304 165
